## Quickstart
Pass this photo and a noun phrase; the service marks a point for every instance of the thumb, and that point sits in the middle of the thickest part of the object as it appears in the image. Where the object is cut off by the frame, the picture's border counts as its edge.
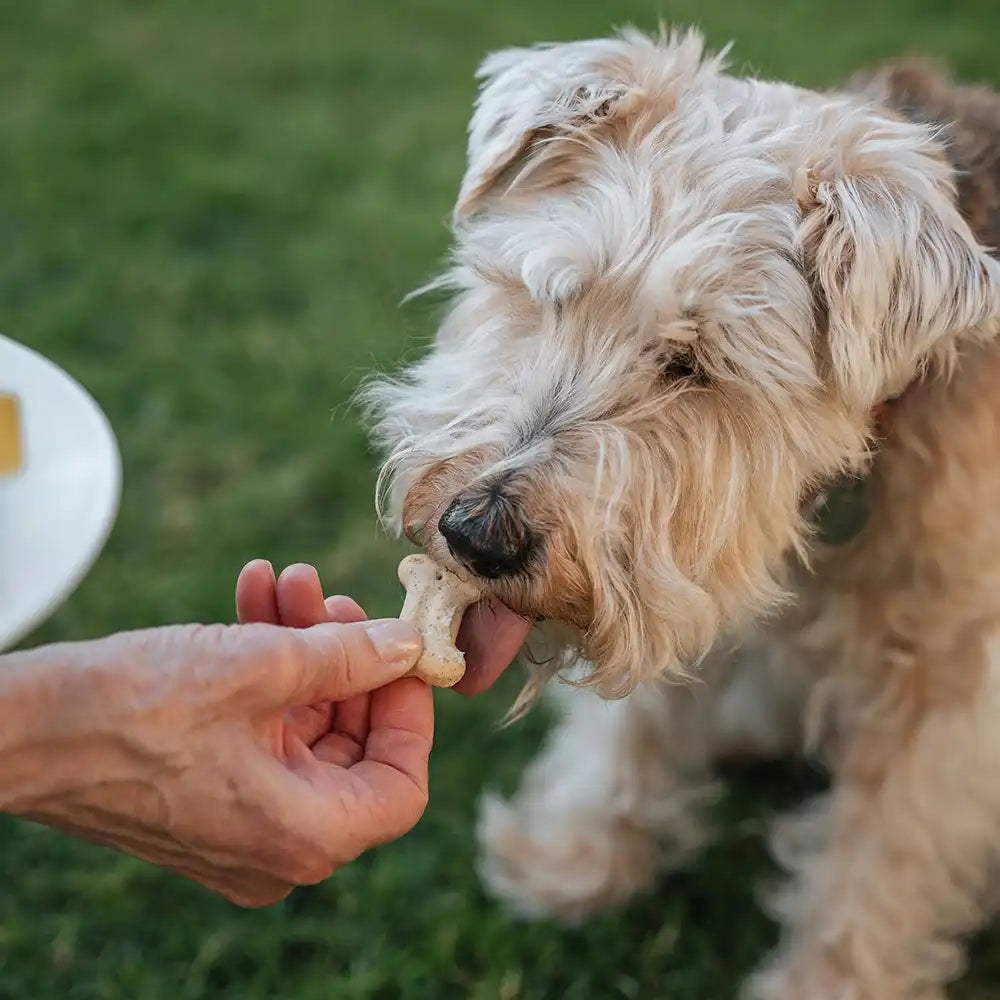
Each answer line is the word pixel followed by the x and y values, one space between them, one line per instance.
pixel 332 661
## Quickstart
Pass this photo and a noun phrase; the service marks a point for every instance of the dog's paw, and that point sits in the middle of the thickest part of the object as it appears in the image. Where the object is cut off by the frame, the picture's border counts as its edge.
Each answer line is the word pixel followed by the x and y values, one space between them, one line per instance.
pixel 817 977
pixel 560 866
pixel 798 983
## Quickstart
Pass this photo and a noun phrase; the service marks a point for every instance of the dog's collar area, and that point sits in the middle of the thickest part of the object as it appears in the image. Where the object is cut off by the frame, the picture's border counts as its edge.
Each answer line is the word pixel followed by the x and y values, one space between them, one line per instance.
pixel 840 510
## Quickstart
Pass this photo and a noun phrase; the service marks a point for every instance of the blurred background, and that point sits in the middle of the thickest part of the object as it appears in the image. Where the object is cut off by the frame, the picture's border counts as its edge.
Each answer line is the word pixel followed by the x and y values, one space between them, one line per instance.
pixel 209 213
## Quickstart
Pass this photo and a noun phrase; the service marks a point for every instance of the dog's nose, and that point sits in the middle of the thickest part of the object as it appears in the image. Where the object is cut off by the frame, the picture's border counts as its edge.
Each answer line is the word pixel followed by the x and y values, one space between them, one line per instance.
pixel 486 534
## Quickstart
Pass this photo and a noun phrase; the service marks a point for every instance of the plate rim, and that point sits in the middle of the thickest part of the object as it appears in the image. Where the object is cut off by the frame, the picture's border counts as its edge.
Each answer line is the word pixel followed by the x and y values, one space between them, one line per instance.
pixel 12 634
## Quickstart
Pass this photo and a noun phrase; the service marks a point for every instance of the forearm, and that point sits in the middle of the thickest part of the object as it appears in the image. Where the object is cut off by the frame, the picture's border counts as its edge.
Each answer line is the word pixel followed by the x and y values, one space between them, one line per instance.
pixel 29 687
pixel 50 737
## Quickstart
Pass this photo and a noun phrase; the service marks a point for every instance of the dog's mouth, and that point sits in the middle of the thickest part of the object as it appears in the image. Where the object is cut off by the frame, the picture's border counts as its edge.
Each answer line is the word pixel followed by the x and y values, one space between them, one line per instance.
pixel 491 635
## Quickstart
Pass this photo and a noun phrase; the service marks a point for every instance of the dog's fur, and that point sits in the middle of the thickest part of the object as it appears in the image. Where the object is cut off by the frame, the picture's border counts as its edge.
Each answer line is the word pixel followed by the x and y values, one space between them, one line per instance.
pixel 680 299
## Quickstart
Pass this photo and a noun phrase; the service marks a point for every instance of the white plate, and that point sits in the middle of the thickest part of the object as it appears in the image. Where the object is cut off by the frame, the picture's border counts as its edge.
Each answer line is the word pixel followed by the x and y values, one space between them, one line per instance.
pixel 57 512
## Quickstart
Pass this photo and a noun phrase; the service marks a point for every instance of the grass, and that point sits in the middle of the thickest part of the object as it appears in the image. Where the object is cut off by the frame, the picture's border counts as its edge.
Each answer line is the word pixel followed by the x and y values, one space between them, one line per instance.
pixel 209 213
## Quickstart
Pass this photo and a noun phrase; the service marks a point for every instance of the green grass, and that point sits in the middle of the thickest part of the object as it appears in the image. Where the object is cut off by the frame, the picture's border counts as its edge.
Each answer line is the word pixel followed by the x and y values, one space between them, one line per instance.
pixel 209 212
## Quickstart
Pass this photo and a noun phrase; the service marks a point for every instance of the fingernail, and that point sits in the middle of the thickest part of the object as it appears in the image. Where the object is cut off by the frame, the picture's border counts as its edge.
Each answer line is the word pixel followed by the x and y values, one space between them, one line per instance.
pixel 394 641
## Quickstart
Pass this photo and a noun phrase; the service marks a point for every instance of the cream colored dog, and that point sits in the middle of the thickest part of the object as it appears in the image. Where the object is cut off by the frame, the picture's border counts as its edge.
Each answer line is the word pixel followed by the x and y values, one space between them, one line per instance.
pixel 699 322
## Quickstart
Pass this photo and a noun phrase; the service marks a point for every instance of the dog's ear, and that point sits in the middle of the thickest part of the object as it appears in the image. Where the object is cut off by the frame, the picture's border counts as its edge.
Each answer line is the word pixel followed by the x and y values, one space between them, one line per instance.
pixel 896 270
pixel 529 93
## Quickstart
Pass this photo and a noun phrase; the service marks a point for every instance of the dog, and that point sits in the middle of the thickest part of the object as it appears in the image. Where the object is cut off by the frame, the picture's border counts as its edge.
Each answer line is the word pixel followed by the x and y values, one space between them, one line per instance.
pixel 714 409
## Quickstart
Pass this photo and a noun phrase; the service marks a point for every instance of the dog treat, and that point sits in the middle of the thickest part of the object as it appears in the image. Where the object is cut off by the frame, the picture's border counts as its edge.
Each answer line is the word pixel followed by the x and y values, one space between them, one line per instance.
pixel 435 602
pixel 10 435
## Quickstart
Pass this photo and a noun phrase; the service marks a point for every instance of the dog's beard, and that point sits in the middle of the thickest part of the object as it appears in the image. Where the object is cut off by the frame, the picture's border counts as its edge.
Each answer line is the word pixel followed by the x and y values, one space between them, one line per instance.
pixel 660 523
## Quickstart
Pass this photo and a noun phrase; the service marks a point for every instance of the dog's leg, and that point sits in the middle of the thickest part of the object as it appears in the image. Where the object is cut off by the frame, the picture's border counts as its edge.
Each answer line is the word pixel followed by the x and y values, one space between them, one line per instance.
pixel 617 794
pixel 612 799
pixel 758 712
pixel 896 864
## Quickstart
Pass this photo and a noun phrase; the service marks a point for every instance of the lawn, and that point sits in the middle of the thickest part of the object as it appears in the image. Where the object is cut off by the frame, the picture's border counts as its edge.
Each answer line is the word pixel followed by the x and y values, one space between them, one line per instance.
pixel 209 213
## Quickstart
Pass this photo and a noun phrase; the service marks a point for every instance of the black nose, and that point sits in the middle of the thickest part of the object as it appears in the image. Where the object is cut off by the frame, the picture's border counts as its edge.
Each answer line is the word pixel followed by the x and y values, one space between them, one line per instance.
pixel 487 534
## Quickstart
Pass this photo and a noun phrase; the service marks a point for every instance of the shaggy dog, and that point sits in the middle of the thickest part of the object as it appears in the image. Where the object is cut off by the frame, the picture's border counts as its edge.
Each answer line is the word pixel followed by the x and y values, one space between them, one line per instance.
pixel 714 411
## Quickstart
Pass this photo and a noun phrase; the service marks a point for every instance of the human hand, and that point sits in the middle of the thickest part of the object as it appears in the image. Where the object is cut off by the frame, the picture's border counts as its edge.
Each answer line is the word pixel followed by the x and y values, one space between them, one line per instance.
pixel 490 634
pixel 173 745
pixel 335 730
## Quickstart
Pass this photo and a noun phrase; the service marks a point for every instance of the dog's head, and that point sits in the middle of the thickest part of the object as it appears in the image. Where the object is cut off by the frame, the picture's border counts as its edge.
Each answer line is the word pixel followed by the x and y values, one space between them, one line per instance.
pixel 677 296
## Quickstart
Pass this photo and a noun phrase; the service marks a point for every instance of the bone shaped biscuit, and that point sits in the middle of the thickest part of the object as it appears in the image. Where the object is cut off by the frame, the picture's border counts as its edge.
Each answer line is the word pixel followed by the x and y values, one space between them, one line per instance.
pixel 435 602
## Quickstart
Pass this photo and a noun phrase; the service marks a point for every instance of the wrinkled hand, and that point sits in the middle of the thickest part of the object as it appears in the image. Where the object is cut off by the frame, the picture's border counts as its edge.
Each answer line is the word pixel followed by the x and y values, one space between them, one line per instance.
pixel 195 747
pixel 335 730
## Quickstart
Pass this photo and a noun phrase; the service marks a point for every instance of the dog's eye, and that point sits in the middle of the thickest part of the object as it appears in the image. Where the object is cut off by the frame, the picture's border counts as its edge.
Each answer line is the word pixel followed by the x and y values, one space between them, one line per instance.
pixel 679 367
pixel 682 366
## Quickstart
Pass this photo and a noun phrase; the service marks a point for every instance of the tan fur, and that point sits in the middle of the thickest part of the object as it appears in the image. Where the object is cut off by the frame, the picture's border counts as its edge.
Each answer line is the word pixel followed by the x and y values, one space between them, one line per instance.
pixel 969 117
pixel 680 298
